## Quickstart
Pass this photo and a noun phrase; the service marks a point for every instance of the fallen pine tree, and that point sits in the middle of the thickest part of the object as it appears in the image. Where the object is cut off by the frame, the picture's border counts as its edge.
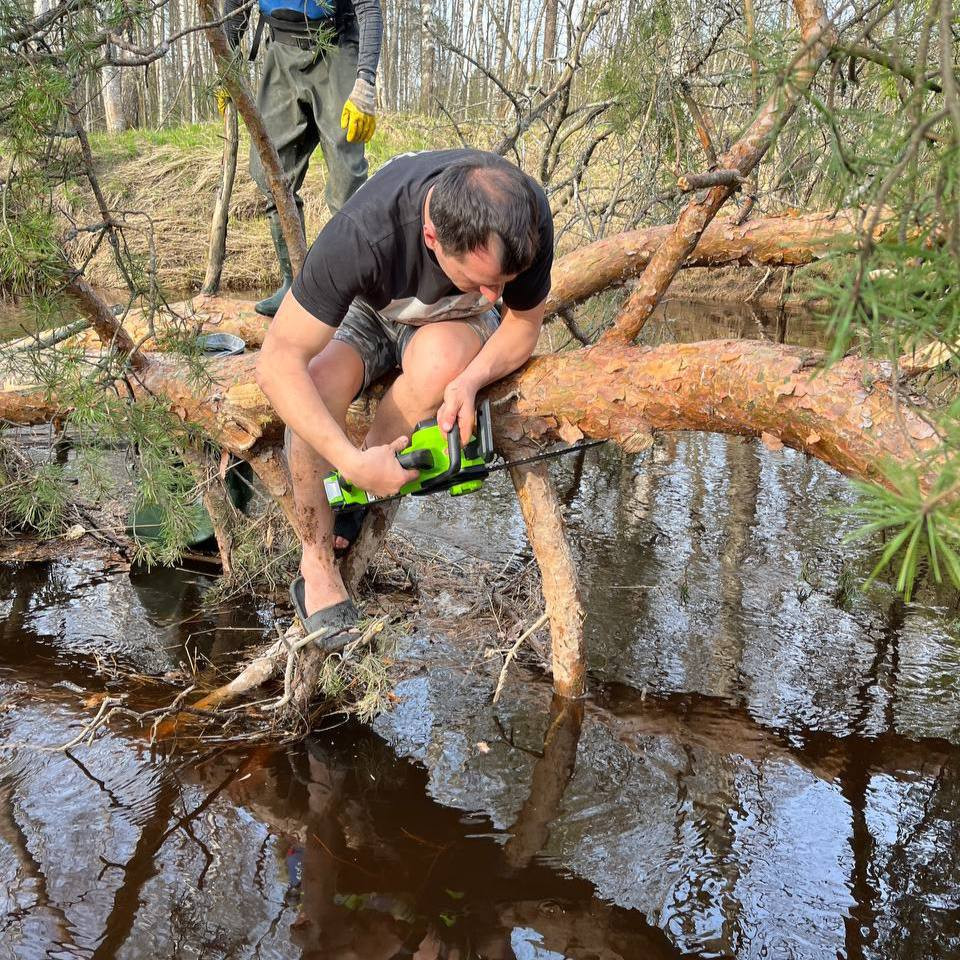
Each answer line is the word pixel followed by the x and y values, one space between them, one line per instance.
pixel 849 415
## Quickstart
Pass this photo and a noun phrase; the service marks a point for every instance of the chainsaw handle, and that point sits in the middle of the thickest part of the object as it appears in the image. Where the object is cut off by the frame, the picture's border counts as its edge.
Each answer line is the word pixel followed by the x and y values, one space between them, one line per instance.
pixel 454 448
pixel 454 459
pixel 416 460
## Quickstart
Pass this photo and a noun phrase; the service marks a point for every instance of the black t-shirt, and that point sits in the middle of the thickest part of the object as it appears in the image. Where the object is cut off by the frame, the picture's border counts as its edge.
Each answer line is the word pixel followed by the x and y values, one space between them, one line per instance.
pixel 374 249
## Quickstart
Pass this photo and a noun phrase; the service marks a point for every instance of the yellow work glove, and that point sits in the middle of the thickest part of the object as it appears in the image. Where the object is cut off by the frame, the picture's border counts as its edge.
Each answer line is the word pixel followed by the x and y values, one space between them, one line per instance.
pixel 223 98
pixel 359 112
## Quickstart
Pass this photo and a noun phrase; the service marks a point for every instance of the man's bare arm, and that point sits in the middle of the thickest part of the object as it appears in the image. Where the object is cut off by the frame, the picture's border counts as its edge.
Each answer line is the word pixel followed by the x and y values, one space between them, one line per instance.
pixel 508 348
pixel 293 339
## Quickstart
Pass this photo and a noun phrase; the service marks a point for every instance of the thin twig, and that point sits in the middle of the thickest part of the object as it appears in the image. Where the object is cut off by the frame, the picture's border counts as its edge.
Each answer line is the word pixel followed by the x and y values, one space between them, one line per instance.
pixel 540 621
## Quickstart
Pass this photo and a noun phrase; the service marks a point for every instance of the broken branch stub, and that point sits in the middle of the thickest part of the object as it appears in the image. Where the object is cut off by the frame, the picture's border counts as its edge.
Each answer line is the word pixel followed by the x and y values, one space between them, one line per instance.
pixel 713 178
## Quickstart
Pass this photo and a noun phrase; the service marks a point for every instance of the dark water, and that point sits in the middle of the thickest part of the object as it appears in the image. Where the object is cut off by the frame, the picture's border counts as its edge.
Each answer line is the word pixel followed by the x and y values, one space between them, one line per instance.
pixel 768 764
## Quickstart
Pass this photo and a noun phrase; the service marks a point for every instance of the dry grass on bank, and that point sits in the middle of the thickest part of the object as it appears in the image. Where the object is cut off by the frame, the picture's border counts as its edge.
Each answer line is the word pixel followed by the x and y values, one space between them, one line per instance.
pixel 168 180
pixel 165 182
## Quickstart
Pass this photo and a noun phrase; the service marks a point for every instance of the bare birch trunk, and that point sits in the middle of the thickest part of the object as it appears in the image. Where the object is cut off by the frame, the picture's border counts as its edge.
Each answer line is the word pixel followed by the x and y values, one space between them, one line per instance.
pixel 427 58
pixel 221 213
pixel 113 97
pixel 549 37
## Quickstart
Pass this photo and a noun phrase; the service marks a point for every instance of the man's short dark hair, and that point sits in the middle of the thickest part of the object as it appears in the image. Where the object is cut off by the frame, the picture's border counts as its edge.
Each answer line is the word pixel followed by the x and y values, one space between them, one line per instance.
pixel 483 195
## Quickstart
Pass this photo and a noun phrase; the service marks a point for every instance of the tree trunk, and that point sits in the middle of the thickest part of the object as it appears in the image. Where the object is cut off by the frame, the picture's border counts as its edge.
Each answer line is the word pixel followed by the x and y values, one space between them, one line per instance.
pixel 750 19
pixel 743 387
pixel 427 58
pixel 221 210
pixel 130 98
pixel 113 96
pixel 549 37
pixel 847 415
pixel 561 591
pixel 772 241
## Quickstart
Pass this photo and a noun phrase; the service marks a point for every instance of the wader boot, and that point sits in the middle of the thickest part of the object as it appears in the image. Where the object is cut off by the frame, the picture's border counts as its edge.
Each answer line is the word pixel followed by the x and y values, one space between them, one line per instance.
pixel 270 305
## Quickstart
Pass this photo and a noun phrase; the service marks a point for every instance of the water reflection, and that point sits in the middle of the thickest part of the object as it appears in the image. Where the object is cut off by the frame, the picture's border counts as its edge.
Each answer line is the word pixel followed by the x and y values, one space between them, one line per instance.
pixel 331 851
pixel 768 764
pixel 551 775
pixel 655 825
pixel 736 839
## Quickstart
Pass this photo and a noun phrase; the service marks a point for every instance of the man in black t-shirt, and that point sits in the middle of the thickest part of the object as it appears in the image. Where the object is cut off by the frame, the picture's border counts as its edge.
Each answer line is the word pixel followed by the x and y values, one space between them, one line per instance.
pixel 405 275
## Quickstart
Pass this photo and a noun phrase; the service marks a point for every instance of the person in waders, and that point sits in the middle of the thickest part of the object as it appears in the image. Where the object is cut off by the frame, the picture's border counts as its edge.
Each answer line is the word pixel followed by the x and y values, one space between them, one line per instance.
pixel 318 87
pixel 408 274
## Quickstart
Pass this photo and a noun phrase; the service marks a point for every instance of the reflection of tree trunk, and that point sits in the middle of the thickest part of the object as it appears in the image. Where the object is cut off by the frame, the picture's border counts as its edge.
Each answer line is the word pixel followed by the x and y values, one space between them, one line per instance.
pixel 30 869
pixel 551 774
pixel 12 625
pixel 315 924
pixel 860 922
pixel 743 470
pixel 706 776
pixel 695 454
pixel 325 930
pixel 579 460
pixel 137 871
pixel 142 866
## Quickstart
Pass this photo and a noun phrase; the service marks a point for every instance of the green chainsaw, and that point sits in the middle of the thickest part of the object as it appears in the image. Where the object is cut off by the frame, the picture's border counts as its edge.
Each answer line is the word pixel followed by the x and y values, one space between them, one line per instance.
pixel 444 462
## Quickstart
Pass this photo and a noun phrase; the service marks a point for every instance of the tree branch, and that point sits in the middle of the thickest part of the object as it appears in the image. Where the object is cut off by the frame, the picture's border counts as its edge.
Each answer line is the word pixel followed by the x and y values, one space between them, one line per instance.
pixel 279 187
pixel 893 64
pixel 743 156
pixel 714 178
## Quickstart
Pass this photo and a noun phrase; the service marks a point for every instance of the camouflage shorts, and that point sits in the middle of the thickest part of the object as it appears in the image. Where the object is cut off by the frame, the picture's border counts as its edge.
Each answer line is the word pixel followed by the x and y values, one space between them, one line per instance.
pixel 381 342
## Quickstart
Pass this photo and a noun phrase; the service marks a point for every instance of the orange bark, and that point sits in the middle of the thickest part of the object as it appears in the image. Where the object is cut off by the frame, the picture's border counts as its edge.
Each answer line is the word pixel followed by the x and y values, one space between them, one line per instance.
pixel 771 241
pixel 561 592
pixel 846 415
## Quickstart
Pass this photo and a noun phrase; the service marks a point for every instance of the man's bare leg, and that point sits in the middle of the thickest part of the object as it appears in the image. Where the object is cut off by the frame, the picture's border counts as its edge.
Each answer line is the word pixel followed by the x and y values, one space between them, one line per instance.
pixel 436 354
pixel 337 373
